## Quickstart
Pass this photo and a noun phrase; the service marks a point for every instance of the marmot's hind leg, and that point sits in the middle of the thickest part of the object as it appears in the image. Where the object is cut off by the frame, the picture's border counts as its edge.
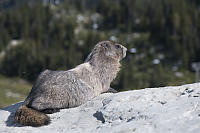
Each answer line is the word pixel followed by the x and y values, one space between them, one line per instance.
pixel 50 111
pixel 43 107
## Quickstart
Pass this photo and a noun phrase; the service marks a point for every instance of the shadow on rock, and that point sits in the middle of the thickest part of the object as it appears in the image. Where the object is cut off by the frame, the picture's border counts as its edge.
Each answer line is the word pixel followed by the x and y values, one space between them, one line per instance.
pixel 12 109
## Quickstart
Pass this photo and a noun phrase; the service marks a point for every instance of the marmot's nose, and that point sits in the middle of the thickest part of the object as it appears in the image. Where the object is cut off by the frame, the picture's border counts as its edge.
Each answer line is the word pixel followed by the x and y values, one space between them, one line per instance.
pixel 124 49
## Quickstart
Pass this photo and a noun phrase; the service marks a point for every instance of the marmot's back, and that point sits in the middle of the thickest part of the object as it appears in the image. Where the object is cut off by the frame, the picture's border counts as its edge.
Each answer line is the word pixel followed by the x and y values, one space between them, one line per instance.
pixel 58 89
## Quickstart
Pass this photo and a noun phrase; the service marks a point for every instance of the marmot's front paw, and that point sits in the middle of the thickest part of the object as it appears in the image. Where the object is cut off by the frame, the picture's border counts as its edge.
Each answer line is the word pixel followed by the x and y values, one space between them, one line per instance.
pixel 111 90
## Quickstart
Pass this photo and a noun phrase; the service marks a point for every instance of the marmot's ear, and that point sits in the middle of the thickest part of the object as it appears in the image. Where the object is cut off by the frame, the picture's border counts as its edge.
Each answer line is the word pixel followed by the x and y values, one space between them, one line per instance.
pixel 105 45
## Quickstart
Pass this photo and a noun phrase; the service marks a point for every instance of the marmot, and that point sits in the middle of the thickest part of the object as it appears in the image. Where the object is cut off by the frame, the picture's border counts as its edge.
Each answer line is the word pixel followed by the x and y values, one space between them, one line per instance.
pixel 55 90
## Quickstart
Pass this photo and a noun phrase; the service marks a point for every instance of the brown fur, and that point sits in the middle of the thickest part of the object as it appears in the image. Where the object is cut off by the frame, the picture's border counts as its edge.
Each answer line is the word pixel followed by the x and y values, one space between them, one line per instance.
pixel 29 117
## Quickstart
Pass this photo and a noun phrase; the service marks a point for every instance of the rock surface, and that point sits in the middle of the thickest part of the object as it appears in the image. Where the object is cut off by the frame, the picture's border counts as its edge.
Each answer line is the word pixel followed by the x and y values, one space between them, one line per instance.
pixel 151 110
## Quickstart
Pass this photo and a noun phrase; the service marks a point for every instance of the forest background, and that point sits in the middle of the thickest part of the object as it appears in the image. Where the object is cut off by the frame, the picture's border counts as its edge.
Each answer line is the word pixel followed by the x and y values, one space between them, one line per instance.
pixel 162 37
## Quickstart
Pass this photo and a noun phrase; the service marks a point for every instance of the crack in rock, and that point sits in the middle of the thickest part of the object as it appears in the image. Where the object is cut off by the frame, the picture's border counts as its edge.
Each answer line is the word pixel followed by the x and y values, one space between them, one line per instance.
pixel 99 116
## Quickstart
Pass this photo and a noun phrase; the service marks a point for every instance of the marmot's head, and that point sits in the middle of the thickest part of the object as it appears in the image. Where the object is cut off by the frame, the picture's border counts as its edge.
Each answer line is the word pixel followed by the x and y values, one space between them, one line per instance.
pixel 112 49
pixel 108 49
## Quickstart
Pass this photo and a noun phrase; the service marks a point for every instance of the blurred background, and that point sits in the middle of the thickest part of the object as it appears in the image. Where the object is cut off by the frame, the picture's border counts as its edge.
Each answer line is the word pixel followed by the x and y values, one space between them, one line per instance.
pixel 162 37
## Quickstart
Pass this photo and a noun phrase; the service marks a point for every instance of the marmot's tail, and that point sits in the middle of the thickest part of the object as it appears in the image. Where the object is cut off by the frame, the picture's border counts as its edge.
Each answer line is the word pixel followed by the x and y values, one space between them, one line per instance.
pixel 30 117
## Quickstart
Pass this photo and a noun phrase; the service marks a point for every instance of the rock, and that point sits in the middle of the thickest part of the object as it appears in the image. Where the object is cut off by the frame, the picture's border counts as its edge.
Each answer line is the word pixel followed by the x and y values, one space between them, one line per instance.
pixel 151 110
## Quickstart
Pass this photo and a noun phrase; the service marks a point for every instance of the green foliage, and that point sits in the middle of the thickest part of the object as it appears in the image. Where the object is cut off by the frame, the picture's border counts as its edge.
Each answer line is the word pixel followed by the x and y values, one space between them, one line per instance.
pixel 12 90
pixel 52 37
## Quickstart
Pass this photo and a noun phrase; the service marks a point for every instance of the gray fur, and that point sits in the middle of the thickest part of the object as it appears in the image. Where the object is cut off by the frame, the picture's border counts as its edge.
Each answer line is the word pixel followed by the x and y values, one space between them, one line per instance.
pixel 67 89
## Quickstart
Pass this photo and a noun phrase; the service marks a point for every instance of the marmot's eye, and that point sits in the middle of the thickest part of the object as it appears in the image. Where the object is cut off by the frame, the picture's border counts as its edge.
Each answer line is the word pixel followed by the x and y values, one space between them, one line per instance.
pixel 117 46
